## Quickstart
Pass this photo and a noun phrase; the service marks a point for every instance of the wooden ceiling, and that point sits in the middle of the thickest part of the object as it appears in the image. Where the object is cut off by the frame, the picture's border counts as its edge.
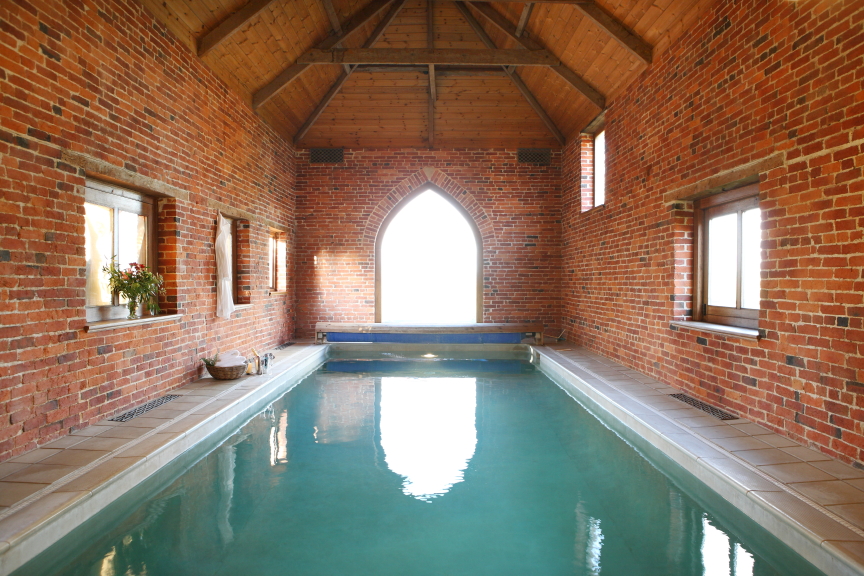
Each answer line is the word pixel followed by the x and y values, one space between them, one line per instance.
pixel 380 73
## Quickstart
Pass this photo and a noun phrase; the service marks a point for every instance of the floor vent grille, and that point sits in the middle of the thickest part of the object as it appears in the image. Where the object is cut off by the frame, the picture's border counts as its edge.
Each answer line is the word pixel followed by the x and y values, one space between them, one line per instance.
pixel 135 412
pixel 716 412
pixel 283 346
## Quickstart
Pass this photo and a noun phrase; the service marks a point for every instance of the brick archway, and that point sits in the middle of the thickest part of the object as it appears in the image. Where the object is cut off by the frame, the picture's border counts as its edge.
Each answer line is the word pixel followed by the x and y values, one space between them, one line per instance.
pixel 407 190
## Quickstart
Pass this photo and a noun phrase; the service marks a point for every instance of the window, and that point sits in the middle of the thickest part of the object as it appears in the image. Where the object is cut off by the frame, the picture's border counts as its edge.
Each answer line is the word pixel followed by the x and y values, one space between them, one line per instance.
pixel 728 236
pixel 600 168
pixel 278 254
pixel 119 225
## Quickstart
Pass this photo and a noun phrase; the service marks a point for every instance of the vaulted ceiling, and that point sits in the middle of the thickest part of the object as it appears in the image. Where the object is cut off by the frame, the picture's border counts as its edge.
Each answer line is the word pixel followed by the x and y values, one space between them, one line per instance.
pixel 427 73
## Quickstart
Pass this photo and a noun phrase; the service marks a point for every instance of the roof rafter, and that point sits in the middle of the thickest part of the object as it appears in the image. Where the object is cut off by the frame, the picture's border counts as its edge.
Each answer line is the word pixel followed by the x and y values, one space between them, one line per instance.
pixel 343 77
pixel 289 74
pixel 336 25
pixel 517 80
pixel 230 25
pixel 572 78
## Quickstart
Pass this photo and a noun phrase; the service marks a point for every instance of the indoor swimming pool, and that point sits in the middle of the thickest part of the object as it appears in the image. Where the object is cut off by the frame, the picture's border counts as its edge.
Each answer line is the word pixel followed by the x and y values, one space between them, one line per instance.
pixel 421 466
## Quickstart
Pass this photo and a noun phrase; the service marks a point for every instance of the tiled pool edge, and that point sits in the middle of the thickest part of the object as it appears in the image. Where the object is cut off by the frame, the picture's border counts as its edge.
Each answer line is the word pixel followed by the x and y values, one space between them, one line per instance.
pixel 785 518
pixel 58 513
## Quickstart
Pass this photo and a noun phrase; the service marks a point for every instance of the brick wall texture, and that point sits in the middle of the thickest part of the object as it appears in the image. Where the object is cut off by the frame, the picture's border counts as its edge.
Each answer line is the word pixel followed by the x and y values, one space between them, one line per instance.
pixel 99 87
pixel 341 207
pixel 104 82
pixel 753 80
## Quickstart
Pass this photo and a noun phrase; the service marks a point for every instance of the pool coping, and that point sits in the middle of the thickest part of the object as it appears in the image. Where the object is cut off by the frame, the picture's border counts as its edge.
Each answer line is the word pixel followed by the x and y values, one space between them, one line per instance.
pixel 830 542
pixel 634 401
pixel 35 522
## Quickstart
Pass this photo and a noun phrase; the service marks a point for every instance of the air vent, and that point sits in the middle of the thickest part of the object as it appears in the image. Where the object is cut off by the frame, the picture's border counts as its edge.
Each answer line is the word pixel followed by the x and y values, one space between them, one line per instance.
pixel 326 155
pixel 283 346
pixel 538 156
pixel 135 412
pixel 716 412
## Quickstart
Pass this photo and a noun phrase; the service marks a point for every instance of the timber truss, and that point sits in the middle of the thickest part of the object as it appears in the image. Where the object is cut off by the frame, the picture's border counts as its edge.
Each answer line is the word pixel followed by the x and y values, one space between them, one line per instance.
pixel 492 60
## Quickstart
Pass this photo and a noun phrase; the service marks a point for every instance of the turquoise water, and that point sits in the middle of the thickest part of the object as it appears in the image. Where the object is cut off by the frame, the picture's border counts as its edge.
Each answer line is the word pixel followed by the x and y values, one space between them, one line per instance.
pixel 484 469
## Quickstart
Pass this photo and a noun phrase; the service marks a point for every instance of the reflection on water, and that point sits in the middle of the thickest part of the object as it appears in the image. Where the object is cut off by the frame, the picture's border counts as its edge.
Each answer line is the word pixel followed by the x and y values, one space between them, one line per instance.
pixel 589 543
pixel 428 431
pixel 720 557
pixel 505 476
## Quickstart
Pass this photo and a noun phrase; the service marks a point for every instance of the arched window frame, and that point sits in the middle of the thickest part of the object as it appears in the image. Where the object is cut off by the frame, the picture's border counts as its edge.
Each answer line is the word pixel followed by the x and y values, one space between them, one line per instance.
pixel 379 239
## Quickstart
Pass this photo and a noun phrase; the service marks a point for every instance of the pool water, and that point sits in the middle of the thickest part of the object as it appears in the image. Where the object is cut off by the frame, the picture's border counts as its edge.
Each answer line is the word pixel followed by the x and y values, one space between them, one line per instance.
pixel 488 469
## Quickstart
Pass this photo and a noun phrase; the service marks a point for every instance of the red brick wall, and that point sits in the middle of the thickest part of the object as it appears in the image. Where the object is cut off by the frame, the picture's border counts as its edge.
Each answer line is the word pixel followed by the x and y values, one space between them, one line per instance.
pixel 340 208
pixel 752 80
pixel 103 81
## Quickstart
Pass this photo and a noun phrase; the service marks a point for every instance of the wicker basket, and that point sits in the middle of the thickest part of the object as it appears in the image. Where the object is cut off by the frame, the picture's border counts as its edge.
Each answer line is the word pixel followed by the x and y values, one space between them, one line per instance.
pixel 226 372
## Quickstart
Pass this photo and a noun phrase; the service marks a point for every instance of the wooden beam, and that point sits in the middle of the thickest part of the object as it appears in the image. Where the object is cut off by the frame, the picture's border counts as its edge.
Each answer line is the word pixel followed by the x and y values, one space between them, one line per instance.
pixel 290 73
pixel 433 90
pixel 523 19
pixel 572 78
pixel 629 40
pixel 343 77
pixel 440 71
pixel 230 25
pixel 434 56
pixel 337 27
pixel 514 77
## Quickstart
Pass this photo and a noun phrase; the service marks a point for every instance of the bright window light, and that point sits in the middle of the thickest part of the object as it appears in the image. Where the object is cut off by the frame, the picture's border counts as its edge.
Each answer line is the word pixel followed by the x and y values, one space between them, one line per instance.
pixel 600 168
pixel 428 431
pixel 429 265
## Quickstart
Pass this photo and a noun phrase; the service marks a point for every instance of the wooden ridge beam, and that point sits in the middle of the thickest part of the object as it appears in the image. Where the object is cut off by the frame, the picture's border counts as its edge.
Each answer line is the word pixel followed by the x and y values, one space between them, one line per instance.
pixel 230 25
pixel 427 56
pixel 572 78
pixel 343 77
pixel 289 74
pixel 514 77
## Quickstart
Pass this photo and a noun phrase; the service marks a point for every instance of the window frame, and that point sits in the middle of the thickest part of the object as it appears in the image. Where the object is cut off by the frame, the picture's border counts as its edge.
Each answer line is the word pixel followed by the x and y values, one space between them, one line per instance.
pixel 728 202
pixel 117 198
pixel 594 160
pixel 274 238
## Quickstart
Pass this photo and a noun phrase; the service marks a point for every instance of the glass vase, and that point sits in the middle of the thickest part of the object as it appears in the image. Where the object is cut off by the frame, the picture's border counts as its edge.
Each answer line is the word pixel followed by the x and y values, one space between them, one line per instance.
pixel 133 308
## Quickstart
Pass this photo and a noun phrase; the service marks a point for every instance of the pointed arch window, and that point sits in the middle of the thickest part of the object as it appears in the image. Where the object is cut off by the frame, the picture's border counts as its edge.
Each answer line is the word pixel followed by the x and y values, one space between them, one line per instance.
pixel 428 263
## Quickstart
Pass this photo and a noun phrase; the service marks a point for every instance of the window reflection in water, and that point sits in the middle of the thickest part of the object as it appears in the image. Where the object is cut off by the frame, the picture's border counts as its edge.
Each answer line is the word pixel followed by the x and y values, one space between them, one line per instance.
pixel 589 542
pixel 428 431
pixel 720 557
pixel 279 440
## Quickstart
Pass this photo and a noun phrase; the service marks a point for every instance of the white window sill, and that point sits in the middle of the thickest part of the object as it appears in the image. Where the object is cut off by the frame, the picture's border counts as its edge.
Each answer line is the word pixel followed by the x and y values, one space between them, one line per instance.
pixel 126 323
pixel 745 333
pixel 279 293
pixel 242 307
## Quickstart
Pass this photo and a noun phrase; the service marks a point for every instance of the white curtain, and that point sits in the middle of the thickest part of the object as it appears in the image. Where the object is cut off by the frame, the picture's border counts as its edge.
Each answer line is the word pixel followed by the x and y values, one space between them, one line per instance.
pixel 224 292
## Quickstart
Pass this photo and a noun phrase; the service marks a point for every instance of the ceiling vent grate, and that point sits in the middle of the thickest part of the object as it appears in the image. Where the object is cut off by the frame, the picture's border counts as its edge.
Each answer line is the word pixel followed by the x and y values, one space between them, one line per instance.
pixel 135 412
pixel 716 412
pixel 539 156
pixel 326 155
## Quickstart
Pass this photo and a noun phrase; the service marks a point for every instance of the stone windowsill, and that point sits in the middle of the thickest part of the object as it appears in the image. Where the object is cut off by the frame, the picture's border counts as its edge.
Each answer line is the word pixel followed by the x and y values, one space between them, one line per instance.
pixel 242 307
pixel 126 323
pixel 735 331
pixel 278 293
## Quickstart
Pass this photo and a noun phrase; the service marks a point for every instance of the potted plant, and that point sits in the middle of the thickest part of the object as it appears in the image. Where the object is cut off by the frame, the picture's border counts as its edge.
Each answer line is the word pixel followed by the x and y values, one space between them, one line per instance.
pixel 137 284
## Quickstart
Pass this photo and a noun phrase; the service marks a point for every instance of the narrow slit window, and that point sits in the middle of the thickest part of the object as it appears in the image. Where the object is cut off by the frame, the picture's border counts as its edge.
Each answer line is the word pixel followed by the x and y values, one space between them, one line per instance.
pixel 278 256
pixel 600 168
